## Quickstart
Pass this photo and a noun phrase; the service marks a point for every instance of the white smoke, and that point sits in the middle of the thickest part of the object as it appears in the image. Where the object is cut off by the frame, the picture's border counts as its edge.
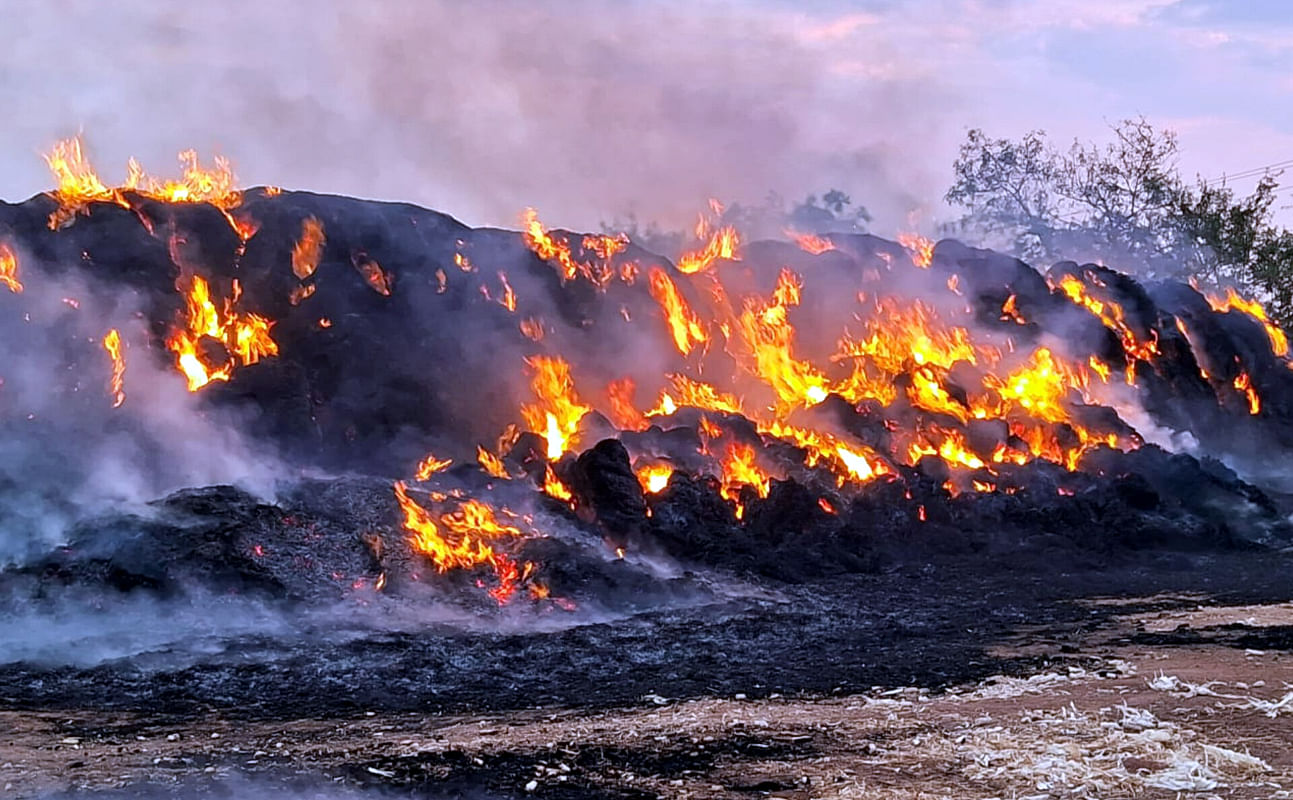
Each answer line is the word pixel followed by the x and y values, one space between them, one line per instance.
pixel 66 451
pixel 588 110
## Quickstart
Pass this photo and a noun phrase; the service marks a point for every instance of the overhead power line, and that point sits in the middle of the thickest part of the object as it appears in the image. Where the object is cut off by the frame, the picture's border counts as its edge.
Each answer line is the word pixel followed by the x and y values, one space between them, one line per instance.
pixel 1249 173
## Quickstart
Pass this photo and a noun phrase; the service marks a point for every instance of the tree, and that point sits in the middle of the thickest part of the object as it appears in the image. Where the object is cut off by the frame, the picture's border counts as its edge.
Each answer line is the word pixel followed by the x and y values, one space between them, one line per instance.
pixel 1126 204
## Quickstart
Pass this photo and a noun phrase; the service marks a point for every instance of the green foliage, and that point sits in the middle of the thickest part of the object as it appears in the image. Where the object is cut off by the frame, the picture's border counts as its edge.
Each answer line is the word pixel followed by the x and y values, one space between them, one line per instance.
pixel 1126 204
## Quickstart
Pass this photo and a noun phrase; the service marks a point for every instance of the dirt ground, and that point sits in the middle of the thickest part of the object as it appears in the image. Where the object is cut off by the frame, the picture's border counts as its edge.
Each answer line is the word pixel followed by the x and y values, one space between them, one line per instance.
pixel 1180 698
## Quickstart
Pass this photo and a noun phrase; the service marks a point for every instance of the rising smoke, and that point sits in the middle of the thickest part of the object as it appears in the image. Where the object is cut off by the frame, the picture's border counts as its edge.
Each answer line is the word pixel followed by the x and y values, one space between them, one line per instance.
pixel 66 450
pixel 589 110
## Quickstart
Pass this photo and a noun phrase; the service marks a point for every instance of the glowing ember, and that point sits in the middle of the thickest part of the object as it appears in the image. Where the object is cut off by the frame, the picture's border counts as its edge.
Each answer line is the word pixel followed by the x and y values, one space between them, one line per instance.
pixel 532 328
pixel 377 279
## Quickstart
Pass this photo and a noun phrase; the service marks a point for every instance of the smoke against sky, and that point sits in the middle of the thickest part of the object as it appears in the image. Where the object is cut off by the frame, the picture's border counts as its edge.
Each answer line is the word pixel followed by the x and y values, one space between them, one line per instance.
pixel 592 110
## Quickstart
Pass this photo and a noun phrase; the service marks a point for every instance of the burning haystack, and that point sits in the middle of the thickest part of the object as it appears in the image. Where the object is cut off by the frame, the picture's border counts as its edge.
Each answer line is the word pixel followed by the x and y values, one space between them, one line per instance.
pixel 519 414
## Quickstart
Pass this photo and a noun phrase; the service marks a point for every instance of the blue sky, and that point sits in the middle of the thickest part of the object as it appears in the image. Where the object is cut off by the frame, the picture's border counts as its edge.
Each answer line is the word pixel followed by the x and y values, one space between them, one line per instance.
pixel 592 109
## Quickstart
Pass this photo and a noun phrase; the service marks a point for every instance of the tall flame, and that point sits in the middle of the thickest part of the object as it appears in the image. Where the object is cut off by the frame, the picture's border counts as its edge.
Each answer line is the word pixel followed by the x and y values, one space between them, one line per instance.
pixel 558 411
pixel 685 327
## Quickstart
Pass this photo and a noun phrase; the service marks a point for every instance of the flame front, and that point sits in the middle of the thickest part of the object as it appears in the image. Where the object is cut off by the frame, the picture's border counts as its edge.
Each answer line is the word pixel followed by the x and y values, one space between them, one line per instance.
pixel 912 358
pixel 465 538
pixel 78 185
pixel 1279 341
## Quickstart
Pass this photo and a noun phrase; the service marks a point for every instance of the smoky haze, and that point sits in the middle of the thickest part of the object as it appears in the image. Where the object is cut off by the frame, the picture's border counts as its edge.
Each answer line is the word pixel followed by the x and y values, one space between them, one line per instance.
pixel 589 111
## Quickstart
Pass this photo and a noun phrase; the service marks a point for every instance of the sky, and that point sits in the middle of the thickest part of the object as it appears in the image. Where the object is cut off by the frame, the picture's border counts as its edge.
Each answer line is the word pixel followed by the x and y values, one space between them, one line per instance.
pixel 592 111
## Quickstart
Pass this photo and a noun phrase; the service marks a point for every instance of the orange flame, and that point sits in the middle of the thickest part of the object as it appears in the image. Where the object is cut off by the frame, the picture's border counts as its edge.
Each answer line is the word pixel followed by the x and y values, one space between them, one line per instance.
pixel 654 477
pixel 9 269
pixel 430 466
pixel 607 247
pixel 767 340
pixel 1279 341
pixel 1244 383
pixel 811 242
pixel 740 470
pixel 245 336
pixel 685 327
pixel 622 410
pixel 491 464
pixel 117 384
pixel 920 248
pixel 558 411
pixel 1010 312
pixel 470 534
pixel 722 243
pixel 508 300
pixel 309 248
pixel 78 184
pixel 553 487
pixel 546 247
pixel 1113 317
